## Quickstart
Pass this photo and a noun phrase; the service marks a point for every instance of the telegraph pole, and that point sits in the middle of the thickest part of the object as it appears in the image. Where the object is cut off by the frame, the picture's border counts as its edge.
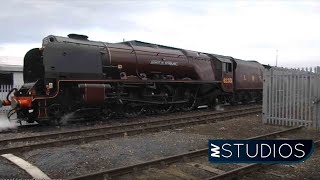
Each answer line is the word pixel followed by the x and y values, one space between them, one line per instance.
pixel 277 58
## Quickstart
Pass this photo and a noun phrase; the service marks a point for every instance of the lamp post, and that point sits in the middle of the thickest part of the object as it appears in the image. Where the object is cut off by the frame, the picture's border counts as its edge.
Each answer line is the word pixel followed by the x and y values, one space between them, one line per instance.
pixel 277 58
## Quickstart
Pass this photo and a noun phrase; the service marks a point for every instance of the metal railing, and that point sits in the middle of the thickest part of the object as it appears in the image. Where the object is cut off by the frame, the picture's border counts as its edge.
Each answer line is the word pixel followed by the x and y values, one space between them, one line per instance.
pixel 291 97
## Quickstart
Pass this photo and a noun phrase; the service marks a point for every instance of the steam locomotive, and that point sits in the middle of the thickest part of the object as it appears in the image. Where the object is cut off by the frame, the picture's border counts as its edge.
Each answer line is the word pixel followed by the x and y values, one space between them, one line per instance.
pixel 74 74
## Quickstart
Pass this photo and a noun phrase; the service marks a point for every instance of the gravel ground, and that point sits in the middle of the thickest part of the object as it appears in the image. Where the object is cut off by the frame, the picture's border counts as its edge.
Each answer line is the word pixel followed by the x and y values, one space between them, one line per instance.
pixel 73 160
pixel 306 170
pixel 8 170
pixel 243 127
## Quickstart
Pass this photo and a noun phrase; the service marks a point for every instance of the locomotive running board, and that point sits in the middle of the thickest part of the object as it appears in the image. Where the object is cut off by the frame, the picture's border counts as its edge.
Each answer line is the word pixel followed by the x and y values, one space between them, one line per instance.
pixel 155 102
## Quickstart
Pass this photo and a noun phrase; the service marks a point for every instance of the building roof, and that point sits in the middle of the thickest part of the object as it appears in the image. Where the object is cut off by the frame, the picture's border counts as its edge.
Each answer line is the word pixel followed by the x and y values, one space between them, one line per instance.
pixel 10 68
pixel 11 64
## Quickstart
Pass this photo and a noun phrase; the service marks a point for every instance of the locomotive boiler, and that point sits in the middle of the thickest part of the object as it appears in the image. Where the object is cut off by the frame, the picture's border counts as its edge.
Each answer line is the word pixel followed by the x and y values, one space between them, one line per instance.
pixel 93 78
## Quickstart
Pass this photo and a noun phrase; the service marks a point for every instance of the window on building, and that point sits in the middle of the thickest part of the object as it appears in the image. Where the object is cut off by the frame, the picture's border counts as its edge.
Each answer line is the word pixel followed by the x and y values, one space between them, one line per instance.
pixel 6 78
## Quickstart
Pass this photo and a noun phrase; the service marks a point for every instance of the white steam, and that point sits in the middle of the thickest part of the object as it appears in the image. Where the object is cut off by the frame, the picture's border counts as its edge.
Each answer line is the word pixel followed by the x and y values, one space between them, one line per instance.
pixel 219 108
pixel 66 118
pixel 6 125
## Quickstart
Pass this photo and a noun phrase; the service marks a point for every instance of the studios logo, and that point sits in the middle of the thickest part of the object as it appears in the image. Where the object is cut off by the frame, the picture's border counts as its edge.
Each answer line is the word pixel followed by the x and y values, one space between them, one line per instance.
pixel 259 151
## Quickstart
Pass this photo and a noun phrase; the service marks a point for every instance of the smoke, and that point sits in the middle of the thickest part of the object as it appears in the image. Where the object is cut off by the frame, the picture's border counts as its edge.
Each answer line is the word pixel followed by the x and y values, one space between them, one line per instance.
pixel 219 108
pixel 202 107
pixel 6 125
pixel 64 119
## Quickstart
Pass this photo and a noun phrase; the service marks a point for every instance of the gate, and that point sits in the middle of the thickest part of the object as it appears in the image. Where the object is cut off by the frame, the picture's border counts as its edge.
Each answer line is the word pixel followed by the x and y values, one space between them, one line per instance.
pixel 291 97
pixel 4 90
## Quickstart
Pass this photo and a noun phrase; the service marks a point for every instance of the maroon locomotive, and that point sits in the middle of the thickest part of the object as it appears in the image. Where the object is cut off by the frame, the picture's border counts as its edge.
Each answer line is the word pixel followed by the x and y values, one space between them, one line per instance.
pixel 77 75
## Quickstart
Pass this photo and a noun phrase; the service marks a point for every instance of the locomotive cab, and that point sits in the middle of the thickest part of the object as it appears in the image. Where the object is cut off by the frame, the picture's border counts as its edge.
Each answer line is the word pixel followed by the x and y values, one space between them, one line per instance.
pixel 224 72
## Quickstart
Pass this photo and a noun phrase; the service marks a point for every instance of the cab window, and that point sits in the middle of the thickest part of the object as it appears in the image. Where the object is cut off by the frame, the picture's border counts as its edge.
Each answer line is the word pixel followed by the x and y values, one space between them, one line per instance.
pixel 226 67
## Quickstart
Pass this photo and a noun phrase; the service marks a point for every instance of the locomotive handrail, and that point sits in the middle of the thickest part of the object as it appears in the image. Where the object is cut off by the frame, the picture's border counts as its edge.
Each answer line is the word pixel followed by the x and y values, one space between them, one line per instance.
pixel 124 81
pixel 136 57
pixel 150 52
pixel 180 55
pixel 109 53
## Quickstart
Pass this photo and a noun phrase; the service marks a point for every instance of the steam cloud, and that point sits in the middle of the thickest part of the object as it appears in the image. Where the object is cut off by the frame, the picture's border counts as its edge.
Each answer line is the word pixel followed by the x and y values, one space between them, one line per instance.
pixel 6 125
pixel 64 120
pixel 219 108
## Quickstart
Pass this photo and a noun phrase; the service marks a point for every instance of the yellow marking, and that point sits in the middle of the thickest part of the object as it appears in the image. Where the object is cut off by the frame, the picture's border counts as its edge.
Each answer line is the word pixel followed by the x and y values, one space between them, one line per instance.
pixel 227 80
pixel 35 172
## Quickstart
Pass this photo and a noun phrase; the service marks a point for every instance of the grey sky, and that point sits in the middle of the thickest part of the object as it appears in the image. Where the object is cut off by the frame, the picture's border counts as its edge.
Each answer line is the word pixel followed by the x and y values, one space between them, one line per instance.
pixel 242 29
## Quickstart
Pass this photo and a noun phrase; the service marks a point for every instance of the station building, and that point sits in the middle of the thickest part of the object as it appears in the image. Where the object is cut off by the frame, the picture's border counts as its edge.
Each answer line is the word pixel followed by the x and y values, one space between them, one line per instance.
pixel 11 75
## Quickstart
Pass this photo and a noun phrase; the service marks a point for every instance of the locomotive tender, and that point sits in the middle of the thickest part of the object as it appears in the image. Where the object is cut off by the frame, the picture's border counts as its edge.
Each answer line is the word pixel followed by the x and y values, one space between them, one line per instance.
pixel 75 74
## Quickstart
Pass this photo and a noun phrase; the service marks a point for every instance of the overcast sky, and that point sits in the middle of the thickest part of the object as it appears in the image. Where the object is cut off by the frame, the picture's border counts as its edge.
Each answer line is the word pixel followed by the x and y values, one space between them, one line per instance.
pixel 250 30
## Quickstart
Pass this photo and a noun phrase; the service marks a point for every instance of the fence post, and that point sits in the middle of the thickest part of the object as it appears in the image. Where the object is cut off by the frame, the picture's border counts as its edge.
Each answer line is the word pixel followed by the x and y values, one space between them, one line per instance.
pixel 317 105
pixel 265 96
pixel 287 96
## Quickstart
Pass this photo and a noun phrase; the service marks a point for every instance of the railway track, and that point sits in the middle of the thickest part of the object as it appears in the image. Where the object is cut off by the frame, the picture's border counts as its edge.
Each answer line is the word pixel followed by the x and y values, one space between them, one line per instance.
pixel 106 132
pixel 133 170
pixel 81 122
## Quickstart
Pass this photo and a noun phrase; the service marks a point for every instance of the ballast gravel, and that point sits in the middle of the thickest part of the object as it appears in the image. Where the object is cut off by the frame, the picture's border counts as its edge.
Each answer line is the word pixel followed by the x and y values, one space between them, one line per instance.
pixel 74 160
pixel 8 170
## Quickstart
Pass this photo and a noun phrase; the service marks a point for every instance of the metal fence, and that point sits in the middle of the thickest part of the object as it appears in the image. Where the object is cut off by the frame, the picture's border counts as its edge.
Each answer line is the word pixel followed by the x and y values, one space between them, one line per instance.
pixel 4 90
pixel 291 97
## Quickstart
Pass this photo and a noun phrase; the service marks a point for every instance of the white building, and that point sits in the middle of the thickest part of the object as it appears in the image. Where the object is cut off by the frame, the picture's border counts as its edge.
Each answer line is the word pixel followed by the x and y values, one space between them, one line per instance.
pixel 11 75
